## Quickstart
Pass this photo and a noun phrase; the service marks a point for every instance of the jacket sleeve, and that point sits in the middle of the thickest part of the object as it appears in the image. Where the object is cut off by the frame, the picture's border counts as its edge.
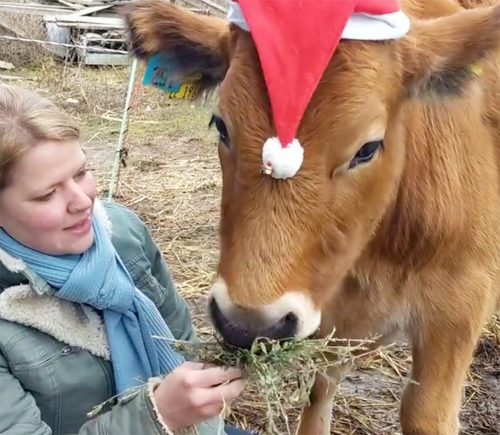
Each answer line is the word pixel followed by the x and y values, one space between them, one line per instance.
pixel 132 415
pixel 19 414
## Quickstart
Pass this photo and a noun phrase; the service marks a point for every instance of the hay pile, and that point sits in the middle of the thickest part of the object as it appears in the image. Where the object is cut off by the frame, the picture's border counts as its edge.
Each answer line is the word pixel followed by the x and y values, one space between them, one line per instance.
pixel 279 373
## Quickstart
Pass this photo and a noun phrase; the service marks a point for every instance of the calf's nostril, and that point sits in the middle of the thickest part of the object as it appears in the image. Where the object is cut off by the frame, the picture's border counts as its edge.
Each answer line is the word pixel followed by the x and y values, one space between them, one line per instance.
pixel 290 318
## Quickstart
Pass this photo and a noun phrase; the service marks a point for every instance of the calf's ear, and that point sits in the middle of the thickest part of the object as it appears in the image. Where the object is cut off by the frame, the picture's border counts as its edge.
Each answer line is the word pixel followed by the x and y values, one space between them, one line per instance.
pixel 442 55
pixel 198 44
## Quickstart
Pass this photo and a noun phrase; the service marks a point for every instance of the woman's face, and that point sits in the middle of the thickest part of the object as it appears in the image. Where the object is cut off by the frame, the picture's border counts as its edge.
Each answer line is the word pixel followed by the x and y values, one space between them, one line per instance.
pixel 48 204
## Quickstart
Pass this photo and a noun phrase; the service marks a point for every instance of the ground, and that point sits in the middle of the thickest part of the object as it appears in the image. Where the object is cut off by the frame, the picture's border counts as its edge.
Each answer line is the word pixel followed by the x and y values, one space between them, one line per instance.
pixel 172 180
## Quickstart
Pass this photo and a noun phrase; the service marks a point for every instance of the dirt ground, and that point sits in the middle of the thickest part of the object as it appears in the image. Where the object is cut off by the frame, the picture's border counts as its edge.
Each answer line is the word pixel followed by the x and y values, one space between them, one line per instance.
pixel 172 180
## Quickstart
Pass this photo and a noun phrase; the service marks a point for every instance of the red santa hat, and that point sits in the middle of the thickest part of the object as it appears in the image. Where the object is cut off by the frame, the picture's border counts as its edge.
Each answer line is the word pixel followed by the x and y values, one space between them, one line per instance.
pixel 295 41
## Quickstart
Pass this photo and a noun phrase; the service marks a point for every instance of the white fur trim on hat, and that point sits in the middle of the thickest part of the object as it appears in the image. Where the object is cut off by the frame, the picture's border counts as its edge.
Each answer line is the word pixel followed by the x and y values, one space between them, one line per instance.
pixel 282 162
pixel 363 27
pixel 235 16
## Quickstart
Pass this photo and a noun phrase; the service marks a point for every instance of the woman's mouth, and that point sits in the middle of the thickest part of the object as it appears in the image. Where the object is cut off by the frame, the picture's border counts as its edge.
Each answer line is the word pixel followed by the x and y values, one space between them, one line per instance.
pixel 81 227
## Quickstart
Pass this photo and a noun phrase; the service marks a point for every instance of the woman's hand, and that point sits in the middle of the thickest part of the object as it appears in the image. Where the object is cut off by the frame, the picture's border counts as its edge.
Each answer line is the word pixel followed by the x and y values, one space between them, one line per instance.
pixel 192 394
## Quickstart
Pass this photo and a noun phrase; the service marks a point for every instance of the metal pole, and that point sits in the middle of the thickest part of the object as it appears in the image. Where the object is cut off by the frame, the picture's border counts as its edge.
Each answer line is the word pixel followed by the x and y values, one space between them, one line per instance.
pixel 123 130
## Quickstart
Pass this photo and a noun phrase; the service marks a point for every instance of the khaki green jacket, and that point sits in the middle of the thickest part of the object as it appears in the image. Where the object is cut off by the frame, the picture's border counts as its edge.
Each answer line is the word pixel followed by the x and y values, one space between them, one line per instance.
pixel 54 355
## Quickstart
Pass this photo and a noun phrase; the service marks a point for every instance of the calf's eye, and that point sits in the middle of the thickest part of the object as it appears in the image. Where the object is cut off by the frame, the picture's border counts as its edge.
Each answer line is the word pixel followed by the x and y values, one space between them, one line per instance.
pixel 221 128
pixel 366 153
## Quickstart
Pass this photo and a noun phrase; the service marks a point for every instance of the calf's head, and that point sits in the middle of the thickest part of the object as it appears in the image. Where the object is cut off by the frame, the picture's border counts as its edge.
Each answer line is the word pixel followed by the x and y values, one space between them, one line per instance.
pixel 286 245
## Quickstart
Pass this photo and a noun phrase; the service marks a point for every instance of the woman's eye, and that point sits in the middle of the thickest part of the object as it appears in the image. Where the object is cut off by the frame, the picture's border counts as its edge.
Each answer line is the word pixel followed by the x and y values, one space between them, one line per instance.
pixel 221 128
pixel 46 197
pixel 81 174
pixel 366 153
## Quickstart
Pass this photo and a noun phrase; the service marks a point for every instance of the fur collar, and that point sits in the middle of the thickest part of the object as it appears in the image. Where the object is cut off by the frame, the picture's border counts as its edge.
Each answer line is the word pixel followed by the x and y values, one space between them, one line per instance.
pixel 33 305
pixel 72 324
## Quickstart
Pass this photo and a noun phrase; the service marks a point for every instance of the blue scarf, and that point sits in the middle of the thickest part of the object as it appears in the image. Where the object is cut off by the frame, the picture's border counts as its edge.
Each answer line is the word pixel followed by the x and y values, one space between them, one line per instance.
pixel 98 278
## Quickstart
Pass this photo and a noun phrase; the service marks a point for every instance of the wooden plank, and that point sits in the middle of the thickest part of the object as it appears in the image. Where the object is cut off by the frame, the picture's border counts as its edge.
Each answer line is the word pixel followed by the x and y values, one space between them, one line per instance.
pixel 91 9
pixel 88 2
pixel 10 77
pixel 101 2
pixel 84 22
pixel 33 9
pixel 191 3
pixel 209 3
pixel 96 58
pixel 214 5
pixel 70 4
pixel 61 35
pixel 39 9
pixel 107 23
pixel 34 6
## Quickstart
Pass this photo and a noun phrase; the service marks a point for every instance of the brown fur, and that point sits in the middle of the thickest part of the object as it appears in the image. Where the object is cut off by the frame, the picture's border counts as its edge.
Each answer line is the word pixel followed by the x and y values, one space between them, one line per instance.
pixel 154 29
pixel 409 242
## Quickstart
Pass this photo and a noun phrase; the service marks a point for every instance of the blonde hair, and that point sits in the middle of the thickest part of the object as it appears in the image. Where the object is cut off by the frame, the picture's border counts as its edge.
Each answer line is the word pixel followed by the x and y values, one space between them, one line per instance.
pixel 27 119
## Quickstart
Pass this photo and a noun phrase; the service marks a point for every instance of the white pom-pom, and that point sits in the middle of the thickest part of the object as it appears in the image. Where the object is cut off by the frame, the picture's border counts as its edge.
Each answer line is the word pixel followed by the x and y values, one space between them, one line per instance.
pixel 280 162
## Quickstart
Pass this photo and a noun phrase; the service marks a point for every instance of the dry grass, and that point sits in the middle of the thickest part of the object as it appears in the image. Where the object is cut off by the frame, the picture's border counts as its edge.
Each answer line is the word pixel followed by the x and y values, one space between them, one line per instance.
pixel 172 181
pixel 25 26
pixel 280 374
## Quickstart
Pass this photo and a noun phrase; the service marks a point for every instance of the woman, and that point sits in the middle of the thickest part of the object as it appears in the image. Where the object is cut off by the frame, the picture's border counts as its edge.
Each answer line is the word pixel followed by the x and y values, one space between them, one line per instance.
pixel 84 294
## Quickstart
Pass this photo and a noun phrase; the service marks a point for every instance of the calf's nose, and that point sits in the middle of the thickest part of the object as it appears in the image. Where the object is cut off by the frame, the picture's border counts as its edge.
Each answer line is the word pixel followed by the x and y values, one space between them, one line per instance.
pixel 243 332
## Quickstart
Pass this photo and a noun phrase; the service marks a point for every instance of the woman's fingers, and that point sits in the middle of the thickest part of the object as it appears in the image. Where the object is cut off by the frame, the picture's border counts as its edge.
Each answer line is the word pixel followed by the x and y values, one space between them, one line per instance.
pixel 211 410
pixel 226 393
pixel 190 365
pixel 216 396
pixel 211 377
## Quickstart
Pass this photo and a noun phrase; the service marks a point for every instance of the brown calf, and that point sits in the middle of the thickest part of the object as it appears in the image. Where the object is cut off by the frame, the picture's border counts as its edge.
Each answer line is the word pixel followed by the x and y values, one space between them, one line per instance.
pixel 402 235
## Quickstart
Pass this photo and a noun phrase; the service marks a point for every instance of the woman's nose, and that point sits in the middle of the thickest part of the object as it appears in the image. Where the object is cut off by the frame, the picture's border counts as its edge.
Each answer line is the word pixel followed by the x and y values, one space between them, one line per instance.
pixel 81 200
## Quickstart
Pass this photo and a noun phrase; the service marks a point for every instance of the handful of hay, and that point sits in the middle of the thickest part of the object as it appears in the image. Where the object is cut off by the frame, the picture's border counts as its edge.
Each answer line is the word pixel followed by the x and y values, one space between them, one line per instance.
pixel 280 374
